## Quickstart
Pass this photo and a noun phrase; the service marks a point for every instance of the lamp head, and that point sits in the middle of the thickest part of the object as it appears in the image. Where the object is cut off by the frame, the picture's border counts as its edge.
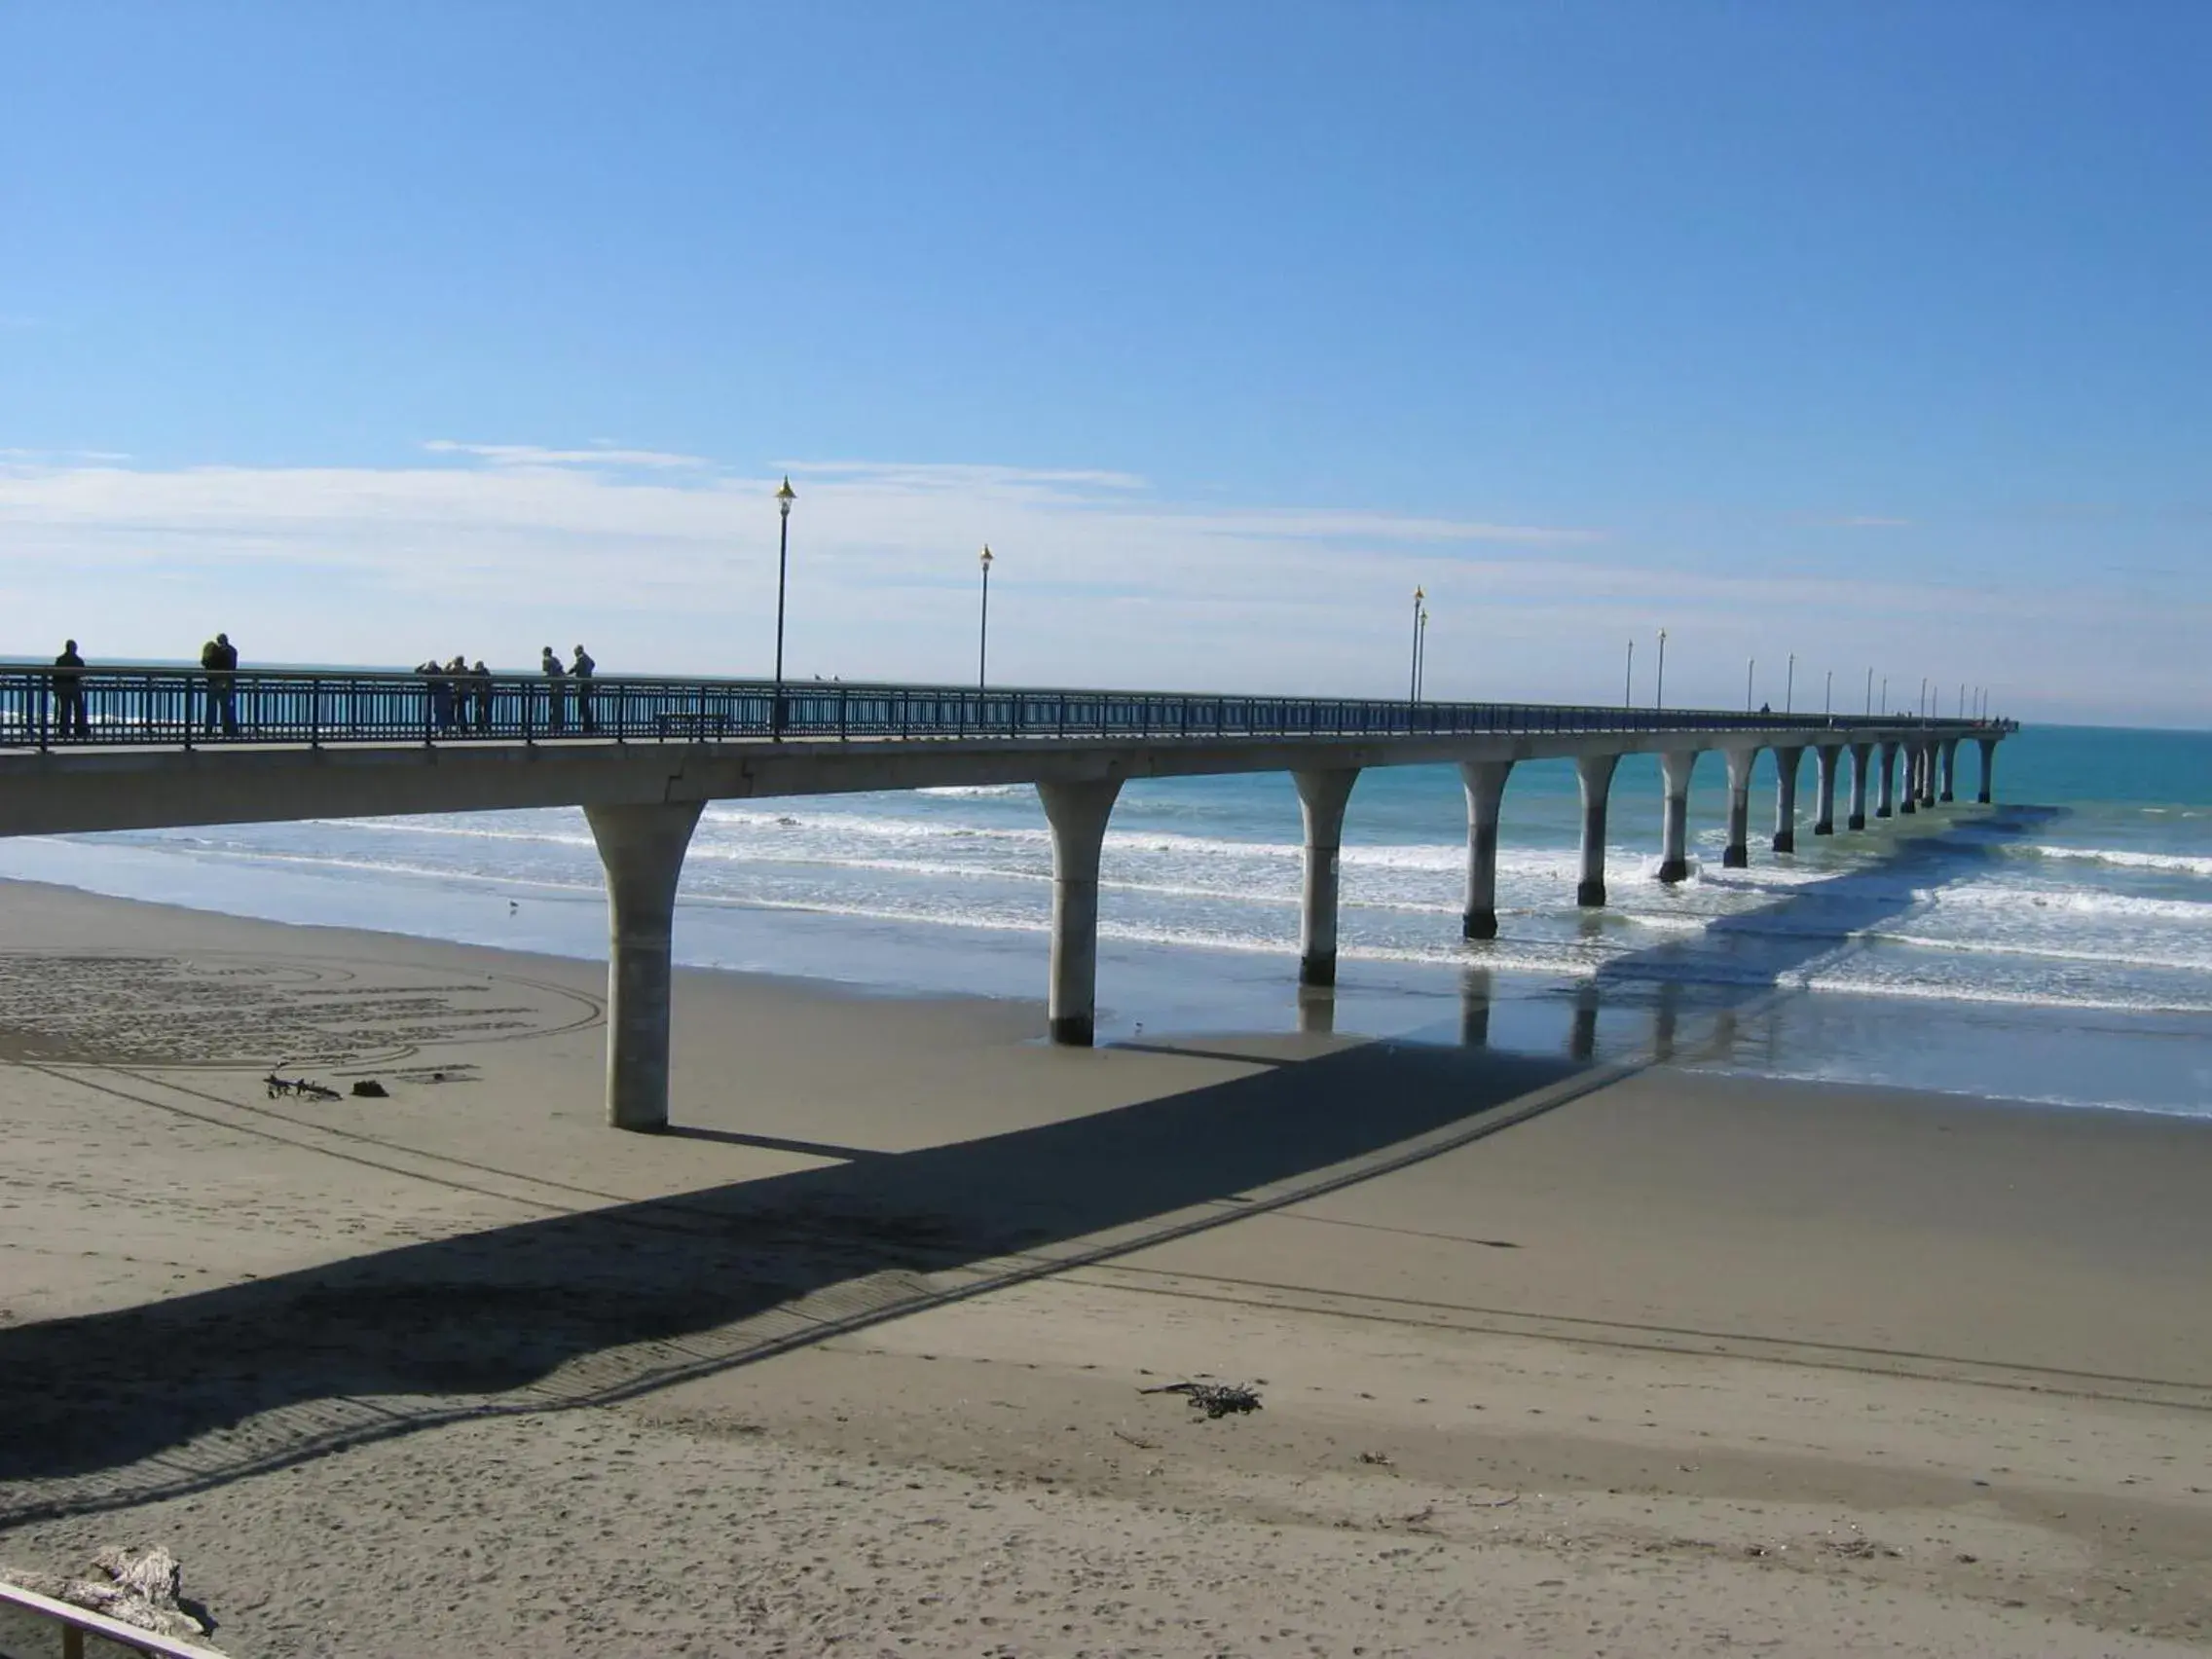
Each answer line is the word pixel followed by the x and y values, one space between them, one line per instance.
pixel 784 497
pixel 987 559
pixel 1418 595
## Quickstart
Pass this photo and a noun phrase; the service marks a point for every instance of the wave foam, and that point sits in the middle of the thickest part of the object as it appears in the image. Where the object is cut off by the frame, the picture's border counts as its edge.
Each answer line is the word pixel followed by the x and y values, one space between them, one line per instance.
pixel 2182 864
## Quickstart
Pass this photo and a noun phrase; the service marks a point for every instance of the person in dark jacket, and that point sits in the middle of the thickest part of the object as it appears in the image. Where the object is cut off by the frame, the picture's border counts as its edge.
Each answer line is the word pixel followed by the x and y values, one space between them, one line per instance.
pixel 220 660
pixel 555 689
pixel 481 678
pixel 586 716
pixel 69 693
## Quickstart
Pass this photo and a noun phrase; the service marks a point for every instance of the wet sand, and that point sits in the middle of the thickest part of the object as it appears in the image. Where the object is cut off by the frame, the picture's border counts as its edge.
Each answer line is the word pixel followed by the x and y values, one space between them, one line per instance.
pixel 1554 1359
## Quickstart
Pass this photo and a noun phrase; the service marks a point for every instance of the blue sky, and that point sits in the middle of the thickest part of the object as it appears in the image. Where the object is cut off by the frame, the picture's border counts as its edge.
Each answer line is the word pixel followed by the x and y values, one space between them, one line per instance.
pixel 1871 332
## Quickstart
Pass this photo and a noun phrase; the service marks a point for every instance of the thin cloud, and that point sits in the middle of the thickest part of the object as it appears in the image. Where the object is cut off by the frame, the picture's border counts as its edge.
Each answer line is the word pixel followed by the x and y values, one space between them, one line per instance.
pixel 674 569
pixel 533 455
pixel 1863 520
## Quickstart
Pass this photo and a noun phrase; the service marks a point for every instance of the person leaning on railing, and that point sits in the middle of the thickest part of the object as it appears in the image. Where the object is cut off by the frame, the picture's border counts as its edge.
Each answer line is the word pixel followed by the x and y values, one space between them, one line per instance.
pixel 220 660
pixel 69 694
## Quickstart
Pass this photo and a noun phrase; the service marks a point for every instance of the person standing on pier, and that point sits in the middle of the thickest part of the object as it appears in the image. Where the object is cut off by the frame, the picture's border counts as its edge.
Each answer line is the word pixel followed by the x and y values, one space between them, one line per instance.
pixel 219 659
pixel 586 716
pixel 69 693
pixel 556 691
pixel 481 678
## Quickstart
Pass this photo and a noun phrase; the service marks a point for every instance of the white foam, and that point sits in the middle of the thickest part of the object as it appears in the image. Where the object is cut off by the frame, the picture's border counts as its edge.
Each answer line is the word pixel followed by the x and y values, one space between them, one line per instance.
pixel 2182 864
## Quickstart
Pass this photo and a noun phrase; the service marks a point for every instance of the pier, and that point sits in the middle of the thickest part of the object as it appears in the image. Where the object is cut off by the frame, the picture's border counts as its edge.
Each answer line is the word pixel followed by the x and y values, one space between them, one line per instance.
pixel 148 748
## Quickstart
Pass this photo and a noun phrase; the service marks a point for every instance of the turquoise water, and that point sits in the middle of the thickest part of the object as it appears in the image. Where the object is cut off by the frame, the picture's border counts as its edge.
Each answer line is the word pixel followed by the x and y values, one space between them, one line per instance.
pixel 2058 947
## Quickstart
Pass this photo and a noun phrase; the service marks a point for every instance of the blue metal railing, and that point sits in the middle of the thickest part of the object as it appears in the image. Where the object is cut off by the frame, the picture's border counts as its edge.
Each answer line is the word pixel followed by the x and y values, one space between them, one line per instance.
pixel 42 708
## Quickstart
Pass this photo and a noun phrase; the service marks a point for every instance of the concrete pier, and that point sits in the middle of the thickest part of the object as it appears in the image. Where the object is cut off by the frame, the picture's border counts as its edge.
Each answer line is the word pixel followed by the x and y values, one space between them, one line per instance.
pixel 1950 763
pixel 1737 854
pixel 1927 776
pixel 642 849
pixel 1321 797
pixel 1824 759
pixel 1908 795
pixel 1785 798
pixel 1886 780
pixel 1595 774
pixel 1077 813
pixel 1988 746
pixel 1484 782
pixel 1675 768
pixel 1862 759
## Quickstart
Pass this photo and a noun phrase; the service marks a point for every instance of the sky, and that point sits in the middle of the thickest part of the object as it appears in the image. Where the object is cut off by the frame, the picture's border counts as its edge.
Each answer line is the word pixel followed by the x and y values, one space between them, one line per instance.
pixel 1871 335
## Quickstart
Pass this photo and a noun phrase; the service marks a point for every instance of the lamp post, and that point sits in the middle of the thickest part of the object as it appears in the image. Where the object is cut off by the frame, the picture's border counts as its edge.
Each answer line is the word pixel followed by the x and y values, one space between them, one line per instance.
pixel 1828 697
pixel 1659 684
pixel 784 499
pixel 1420 657
pixel 1412 674
pixel 1628 679
pixel 1790 686
pixel 1870 692
pixel 1924 696
pixel 983 632
pixel 1751 667
pixel 1885 694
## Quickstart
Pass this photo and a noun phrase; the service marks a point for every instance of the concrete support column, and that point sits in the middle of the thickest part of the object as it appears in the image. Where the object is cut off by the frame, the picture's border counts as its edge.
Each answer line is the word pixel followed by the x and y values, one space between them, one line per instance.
pixel 1988 747
pixel 1861 758
pixel 1595 773
pixel 1737 855
pixel 1927 776
pixel 1485 781
pixel 1077 814
pixel 1824 760
pixel 1785 798
pixel 1322 796
pixel 1950 753
pixel 1675 770
pixel 1908 796
pixel 641 848
pixel 1886 795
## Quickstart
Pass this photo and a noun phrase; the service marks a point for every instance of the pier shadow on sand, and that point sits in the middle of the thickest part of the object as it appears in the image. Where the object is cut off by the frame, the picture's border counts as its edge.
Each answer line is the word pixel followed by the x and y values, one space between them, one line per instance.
pixel 120 1408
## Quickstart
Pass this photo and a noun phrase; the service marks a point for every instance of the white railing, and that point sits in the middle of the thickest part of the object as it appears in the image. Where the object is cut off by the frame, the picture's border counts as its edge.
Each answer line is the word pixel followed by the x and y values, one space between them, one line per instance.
pixel 76 1623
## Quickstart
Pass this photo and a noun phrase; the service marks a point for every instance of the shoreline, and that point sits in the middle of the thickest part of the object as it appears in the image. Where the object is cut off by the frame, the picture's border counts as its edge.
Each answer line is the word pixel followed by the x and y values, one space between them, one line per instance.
pixel 1530 1011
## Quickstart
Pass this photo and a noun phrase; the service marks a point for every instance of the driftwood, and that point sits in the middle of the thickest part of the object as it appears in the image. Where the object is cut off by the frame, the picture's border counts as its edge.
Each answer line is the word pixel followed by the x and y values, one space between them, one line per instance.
pixel 1215 1399
pixel 143 1588
pixel 305 1089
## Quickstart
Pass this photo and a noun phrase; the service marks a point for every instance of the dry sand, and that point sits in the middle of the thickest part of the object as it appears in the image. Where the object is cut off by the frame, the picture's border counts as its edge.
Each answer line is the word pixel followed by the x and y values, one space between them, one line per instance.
pixel 1554 1360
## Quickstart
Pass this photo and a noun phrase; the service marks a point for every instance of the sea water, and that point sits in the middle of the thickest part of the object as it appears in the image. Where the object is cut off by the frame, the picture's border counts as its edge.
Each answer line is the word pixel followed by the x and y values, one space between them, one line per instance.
pixel 2056 947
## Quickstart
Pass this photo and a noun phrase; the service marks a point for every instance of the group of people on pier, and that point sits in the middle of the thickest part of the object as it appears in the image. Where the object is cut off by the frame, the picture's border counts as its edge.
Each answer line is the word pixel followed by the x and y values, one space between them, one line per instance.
pixel 461 693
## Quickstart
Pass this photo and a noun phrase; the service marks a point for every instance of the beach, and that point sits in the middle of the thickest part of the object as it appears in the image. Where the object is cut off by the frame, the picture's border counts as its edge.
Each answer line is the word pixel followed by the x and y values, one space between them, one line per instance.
pixel 1556 1354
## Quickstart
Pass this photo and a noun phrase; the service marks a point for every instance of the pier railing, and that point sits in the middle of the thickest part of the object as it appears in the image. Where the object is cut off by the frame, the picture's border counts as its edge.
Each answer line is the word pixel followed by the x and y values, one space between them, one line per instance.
pixel 177 708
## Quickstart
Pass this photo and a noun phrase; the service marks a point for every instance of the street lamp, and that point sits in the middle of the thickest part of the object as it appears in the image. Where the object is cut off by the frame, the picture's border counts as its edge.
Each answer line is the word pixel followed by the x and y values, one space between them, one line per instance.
pixel 1828 697
pixel 983 633
pixel 1790 686
pixel 1628 679
pixel 1751 667
pixel 784 499
pixel 1412 679
pixel 1885 694
pixel 1420 660
pixel 1870 692
pixel 1659 684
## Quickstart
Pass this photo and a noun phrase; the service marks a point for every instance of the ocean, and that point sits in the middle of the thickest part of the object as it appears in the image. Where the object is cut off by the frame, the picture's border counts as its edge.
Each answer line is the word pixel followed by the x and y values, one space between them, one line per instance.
pixel 2056 948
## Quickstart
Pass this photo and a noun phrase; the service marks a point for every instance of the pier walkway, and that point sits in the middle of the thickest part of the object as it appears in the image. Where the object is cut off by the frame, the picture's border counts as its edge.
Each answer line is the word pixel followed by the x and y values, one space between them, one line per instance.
pixel 141 748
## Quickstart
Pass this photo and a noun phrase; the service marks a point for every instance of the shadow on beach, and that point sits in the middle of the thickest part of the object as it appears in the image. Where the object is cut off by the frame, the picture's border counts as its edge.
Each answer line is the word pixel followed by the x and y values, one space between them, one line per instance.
pixel 515 1318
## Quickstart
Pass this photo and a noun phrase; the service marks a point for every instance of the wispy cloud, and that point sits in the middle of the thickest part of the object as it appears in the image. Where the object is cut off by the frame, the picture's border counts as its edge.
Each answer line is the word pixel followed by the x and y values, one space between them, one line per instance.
pixel 599 453
pixel 1863 520
pixel 670 563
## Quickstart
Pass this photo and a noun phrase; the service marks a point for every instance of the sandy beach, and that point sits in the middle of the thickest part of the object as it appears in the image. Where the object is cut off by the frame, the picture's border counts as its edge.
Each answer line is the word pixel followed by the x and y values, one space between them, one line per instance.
pixel 1554 1359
